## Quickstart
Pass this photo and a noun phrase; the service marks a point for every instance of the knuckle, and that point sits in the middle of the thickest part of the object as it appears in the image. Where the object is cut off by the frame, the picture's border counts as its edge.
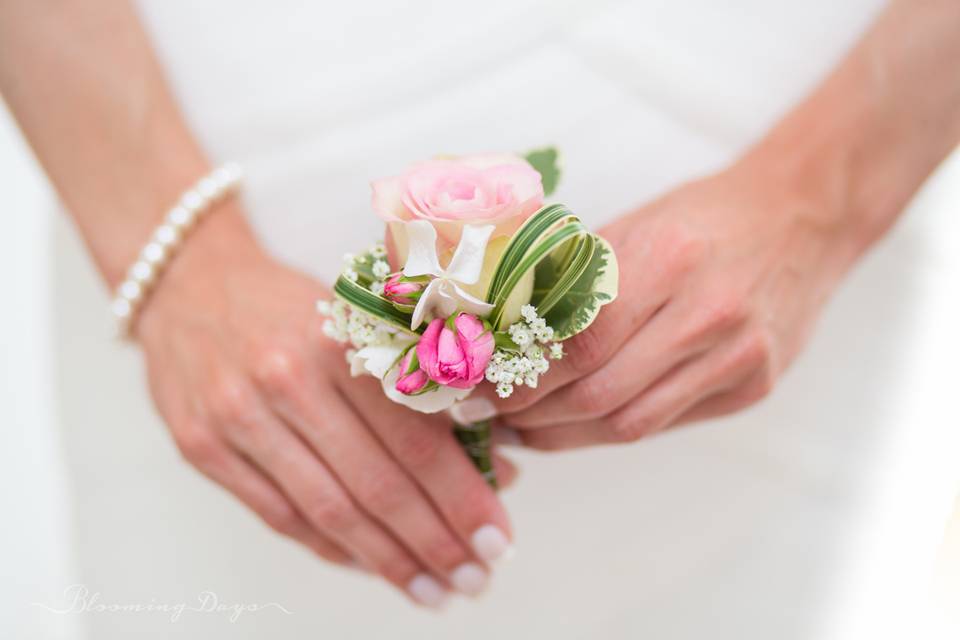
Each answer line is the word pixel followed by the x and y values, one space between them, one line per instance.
pixel 280 371
pixel 199 446
pixel 398 568
pixel 444 552
pixel 684 250
pixel 282 518
pixel 717 314
pixel 593 396
pixel 383 493
pixel 231 401
pixel 333 514
pixel 585 352
pixel 418 446
pixel 724 311
pixel 763 385
pixel 629 427
pixel 759 349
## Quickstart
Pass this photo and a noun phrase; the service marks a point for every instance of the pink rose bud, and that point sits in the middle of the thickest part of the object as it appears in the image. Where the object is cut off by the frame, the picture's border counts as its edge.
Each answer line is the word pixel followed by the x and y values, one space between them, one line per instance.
pixel 456 353
pixel 402 290
pixel 412 378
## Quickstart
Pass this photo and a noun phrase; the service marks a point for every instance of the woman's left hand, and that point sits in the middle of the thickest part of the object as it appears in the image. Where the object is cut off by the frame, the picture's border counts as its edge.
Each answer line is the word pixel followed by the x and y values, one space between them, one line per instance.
pixel 720 283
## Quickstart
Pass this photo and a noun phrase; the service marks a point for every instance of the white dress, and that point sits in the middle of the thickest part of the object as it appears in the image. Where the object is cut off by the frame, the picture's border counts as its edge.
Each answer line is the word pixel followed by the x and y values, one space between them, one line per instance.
pixel 809 516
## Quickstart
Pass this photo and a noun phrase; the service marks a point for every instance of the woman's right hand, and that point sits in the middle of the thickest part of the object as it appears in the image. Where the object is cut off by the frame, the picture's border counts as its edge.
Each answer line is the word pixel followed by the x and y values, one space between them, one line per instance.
pixel 259 400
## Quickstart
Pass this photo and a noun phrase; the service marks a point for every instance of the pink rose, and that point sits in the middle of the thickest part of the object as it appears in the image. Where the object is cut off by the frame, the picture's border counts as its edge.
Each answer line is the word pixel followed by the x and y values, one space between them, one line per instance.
pixel 403 290
pixel 411 378
pixel 456 357
pixel 503 190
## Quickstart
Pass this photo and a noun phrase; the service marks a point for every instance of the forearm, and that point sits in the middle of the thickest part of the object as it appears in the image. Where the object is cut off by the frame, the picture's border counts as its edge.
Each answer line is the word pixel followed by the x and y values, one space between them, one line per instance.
pixel 88 93
pixel 863 143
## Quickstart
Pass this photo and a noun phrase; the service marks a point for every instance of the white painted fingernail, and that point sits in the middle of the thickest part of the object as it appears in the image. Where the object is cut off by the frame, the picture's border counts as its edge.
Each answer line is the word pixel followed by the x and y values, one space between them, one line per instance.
pixel 427 591
pixel 507 437
pixel 469 578
pixel 473 410
pixel 491 544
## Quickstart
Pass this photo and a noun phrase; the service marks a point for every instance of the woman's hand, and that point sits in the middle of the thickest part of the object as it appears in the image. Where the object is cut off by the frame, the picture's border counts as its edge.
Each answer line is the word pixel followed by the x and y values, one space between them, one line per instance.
pixel 722 279
pixel 720 284
pixel 261 402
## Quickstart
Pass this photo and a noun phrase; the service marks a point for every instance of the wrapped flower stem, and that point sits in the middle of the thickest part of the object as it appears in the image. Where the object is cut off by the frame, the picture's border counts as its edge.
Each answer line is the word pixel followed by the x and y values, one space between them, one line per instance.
pixel 475 439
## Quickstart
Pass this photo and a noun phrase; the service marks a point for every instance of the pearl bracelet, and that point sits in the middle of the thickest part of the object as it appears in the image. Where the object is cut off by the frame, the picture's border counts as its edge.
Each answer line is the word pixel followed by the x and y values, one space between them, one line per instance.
pixel 154 257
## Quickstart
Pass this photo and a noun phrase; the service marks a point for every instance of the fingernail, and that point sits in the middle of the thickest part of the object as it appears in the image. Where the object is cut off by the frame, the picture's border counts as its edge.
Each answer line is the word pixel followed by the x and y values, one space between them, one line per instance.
pixel 473 410
pixel 469 578
pixel 507 437
pixel 427 591
pixel 491 544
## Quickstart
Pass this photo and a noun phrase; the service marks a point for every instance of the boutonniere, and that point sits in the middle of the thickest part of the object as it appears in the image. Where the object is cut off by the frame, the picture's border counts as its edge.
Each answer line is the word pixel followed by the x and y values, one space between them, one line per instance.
pixel 477 281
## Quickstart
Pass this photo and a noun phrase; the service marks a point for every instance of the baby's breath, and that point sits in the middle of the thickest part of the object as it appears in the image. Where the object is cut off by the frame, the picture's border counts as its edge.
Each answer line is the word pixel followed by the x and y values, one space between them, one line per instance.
pixel 381 269
pixel 347 325
pixel 509 369
pixel 369 269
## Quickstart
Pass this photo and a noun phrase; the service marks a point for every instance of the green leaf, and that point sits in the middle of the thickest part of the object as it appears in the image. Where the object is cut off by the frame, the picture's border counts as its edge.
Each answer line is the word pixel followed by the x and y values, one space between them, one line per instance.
pixel 597 285
pixel 563 269
pixel 522 241
pixel 540 250
pixel 368 302
pixel 547 163
pixel 503 341
pixel 574 271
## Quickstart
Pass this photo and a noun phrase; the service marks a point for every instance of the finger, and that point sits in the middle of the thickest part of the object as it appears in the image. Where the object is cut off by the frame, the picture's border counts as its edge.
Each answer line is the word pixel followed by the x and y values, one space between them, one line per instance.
pixel 584 354
pixel 427 449
pixel 660 404
pixel 367 471
pixel 216 460
pixel 316 493
pixel 683 330
pixel 507 471
pixel 751 391
pixel 655 262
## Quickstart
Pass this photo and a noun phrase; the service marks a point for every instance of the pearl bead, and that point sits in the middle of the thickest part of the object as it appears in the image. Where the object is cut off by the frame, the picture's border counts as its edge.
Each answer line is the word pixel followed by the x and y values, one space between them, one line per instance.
pixel 192 201
pixel 221 176
pixel 179 217
pixel 131 290
pixel 166 235
pixel 228 174
pixel 209 188
pixel 153 254
pixel 121 308
pixel 164 241
pixel 141 272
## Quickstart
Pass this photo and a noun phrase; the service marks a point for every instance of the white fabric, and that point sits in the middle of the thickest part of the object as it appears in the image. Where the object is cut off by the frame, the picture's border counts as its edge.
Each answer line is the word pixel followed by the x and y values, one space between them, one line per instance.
pixel 810 516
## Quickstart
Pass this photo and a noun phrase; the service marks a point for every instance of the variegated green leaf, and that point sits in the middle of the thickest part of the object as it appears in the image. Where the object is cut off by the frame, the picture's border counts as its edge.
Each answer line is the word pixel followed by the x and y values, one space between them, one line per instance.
pixel 597 285
pixel 547 163
pixel 575 271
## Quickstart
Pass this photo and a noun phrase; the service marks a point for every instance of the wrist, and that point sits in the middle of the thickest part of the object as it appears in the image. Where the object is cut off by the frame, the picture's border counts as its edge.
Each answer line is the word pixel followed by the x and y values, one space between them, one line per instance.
pixel 198 275
pixel 833 156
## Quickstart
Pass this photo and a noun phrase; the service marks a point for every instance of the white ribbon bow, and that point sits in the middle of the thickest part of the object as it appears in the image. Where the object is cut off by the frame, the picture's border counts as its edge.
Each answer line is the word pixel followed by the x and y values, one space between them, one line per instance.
pixel 443 296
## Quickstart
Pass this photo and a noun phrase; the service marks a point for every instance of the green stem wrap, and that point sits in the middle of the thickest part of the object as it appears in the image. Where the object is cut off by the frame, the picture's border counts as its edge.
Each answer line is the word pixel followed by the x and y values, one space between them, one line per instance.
pixel 475 439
